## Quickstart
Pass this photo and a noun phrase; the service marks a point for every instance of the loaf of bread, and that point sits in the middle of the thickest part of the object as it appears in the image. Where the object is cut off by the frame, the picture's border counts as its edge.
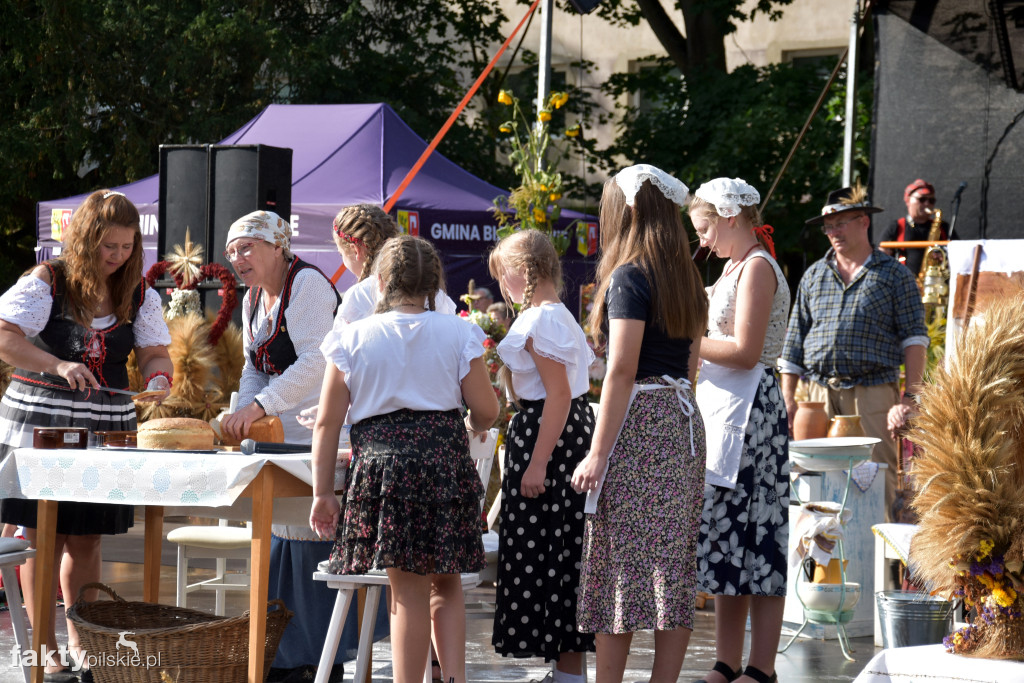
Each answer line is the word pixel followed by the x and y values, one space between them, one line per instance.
pixel 268 429
pixel 175 434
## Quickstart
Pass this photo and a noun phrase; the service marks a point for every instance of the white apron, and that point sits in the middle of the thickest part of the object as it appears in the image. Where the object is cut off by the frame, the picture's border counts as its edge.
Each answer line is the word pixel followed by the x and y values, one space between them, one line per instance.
pixel 725 397
pixel 679 386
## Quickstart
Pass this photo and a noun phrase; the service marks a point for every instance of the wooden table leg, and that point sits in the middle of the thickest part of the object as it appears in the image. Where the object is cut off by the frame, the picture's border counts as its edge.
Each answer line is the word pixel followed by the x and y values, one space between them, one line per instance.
pixel 46 541
pixel 262 512
pixel 153 545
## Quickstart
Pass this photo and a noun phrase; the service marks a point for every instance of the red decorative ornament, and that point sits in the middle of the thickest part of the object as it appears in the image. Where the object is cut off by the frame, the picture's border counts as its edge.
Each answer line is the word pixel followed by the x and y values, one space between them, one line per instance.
pixel 209 271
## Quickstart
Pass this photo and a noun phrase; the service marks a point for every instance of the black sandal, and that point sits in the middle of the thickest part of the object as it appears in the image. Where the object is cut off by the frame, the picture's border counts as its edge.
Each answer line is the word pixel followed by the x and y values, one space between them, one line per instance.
pixel 760 676
pixel 725 670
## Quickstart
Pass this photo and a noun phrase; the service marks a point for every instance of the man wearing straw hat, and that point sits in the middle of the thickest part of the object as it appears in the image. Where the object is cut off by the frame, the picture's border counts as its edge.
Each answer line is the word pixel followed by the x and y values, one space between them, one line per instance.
pixel 856 318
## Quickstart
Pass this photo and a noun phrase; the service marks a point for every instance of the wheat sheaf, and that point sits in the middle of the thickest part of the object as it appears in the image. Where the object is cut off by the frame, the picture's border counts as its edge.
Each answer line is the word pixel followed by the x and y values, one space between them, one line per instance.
pixel 969 476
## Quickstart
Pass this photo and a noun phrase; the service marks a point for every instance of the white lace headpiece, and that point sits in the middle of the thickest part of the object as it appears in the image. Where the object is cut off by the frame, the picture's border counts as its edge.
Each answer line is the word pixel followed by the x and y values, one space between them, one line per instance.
pixel 111 193
pixel 728 195
pixel 631 178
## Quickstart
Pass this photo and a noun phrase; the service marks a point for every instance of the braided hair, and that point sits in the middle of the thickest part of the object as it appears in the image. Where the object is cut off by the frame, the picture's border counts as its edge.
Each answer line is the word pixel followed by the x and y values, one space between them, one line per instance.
pixel 364 224
pixel 531 252
pixel 410 268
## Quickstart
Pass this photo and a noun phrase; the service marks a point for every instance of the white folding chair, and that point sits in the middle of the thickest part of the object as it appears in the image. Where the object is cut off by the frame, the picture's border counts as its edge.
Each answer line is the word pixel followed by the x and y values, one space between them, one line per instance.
pixel 14 552
pixel 375 582
pixel 220 543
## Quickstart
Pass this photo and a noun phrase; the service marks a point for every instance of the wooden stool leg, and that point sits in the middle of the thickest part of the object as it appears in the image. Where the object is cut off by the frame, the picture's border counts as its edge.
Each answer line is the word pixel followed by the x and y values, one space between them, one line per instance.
pixel 330 651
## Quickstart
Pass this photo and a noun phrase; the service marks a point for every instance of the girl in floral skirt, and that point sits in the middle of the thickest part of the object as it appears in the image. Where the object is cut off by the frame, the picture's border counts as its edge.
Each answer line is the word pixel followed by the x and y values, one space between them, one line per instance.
pixel 546 359
pixel 413 502
pixel 645 471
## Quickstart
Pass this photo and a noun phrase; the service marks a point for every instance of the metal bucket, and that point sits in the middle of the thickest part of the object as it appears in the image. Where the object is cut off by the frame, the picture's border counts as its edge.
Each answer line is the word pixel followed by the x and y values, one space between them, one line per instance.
pixel 912 618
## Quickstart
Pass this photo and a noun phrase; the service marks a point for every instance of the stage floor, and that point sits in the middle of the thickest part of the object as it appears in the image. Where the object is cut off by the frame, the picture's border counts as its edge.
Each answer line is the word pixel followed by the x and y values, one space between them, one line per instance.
pixel 807 661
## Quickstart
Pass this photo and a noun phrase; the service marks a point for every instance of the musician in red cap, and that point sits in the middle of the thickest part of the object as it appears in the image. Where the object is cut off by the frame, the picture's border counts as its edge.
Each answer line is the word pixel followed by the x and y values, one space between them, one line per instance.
pixel 919 196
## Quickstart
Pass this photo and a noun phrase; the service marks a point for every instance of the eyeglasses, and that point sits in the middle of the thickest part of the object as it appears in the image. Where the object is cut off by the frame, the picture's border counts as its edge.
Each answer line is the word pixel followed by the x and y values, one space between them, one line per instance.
pixel 239 252
pixel 924 200
pixel 836 227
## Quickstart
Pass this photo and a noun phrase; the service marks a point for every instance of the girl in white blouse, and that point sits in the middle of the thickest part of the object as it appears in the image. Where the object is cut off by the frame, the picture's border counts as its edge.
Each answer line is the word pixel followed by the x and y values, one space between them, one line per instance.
pixel 546 358
pixel 412 506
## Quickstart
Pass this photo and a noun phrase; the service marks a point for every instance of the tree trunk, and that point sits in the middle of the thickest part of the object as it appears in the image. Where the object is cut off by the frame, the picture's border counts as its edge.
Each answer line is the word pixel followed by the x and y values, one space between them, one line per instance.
pixel 704 43
pixel 666 32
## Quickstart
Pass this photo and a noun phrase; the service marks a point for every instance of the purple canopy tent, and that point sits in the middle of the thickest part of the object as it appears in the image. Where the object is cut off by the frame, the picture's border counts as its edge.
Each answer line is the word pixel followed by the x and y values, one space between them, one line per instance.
pixel 345 154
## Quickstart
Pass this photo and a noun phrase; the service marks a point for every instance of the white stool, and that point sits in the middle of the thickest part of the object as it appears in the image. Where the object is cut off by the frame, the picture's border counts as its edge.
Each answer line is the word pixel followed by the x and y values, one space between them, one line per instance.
pixel 346 585
pixel 221 543
pixel 14 552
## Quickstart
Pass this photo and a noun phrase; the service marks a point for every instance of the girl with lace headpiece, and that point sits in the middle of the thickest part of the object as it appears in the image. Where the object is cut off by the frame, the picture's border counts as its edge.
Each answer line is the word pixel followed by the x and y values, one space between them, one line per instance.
pixel 744 532
pixel 645 468
pixel 68 326
pixel 546 359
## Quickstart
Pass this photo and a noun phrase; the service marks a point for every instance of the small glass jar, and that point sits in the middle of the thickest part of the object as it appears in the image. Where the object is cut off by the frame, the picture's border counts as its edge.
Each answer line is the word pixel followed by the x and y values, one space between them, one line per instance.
pixel 60 437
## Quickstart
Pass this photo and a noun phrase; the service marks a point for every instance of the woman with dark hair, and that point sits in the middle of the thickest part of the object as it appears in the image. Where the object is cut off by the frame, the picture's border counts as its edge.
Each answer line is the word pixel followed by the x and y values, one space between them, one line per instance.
pixel 68 326
pixel 645 469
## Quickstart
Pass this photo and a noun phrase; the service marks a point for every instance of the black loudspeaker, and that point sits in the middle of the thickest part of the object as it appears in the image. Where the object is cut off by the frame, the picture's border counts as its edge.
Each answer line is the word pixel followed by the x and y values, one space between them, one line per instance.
pixel 184 196
pixel 246 178
pixel 584 6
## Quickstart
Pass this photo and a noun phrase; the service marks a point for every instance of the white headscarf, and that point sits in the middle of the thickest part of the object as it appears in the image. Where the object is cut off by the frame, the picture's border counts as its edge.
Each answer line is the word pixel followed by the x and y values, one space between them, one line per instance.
pixel 631 178
pixel 728 195
pixel 263 225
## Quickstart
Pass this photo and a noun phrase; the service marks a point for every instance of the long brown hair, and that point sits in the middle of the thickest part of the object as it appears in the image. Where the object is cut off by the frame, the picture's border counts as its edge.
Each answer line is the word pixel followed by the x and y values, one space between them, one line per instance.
pixel 650 234
pixel 531 251
pixel 410 268
pixel 99 212
pixel 748 217
pixel 365 224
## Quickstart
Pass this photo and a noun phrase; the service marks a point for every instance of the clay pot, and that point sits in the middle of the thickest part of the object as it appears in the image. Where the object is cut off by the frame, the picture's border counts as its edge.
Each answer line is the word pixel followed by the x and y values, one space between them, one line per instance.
pixel 845 425
pixel 811 421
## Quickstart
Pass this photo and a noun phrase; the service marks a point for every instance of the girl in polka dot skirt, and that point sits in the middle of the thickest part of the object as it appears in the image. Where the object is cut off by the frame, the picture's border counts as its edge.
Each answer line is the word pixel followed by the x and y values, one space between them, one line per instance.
pixel 546 358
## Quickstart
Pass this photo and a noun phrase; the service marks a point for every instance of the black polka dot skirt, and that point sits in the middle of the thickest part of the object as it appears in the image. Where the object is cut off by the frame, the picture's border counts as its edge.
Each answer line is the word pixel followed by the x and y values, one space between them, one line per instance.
pixel 541 541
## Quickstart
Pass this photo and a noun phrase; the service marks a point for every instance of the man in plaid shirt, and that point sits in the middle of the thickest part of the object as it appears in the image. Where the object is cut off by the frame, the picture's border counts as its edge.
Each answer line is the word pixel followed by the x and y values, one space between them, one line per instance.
pixel 856 317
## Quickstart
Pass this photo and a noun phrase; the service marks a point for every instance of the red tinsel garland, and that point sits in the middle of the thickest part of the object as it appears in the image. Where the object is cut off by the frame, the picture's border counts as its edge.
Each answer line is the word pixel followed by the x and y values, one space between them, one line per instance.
pixel 209 271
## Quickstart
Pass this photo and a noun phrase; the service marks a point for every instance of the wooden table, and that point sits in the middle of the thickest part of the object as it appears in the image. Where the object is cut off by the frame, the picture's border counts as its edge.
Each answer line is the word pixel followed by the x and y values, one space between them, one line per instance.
pixel 270 481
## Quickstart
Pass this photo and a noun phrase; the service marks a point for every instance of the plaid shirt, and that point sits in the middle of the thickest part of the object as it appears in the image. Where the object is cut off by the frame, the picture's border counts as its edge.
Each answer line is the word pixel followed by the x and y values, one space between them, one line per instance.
pixel 854 334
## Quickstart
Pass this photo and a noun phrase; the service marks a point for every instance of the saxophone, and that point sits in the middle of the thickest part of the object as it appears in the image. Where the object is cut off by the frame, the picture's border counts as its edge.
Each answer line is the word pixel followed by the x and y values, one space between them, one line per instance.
pixel 933 279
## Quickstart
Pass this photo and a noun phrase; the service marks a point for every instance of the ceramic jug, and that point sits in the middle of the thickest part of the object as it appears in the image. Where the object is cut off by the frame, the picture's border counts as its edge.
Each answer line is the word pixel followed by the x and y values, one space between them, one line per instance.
pixel 811 421
pixel 845 425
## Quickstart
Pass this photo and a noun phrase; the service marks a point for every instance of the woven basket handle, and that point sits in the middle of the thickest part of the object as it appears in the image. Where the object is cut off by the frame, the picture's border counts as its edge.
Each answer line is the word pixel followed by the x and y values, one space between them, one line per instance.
pixel 100 586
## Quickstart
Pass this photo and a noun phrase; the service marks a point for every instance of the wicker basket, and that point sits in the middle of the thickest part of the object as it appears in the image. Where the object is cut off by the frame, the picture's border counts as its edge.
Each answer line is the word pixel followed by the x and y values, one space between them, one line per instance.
pixel 175 644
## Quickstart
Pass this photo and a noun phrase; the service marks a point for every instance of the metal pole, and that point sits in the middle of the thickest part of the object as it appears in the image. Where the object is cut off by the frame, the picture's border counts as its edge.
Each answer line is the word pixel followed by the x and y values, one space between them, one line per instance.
pixel 544 66
pixel 851 99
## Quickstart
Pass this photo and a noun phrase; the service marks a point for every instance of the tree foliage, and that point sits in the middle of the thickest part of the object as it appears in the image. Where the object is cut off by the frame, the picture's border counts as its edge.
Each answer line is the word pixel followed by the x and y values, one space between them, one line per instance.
pixel 91 89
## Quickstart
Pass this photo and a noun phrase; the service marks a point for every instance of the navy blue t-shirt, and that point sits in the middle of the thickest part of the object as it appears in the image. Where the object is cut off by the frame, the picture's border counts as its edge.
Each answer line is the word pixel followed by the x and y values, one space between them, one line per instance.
pixel 629 297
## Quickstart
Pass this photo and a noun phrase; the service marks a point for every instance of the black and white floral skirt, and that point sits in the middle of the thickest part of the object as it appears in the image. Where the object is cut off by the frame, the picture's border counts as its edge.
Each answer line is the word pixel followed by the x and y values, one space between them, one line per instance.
pixel 744 532
pixel 413 499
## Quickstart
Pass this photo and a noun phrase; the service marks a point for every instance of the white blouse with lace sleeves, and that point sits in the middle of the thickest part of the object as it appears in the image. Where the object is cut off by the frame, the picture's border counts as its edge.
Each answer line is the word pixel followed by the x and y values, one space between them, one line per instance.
pixel 556 335
pixel 27 304
pixel 149 327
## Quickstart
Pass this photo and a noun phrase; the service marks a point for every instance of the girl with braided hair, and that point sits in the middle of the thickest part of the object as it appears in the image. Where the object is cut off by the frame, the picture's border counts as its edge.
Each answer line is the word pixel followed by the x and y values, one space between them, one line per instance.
pixel 546 358
pixel 412 507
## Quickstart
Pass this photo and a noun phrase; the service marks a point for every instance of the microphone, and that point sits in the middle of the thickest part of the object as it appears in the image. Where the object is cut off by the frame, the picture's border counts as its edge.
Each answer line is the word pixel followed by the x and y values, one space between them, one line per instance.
pixel 250 447
pixel 959 191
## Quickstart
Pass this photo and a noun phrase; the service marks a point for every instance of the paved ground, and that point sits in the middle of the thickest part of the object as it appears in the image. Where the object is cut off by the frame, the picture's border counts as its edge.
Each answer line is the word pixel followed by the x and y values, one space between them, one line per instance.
pixel 806 661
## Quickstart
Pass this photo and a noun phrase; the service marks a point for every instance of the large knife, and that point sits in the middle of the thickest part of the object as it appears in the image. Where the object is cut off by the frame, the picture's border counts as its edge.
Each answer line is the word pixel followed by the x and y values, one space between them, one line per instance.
pixel 126 392
pixel 61 383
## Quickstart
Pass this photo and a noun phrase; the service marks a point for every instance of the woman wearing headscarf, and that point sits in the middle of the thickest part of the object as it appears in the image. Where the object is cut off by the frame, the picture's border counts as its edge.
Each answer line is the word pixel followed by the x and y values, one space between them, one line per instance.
pixel 286 314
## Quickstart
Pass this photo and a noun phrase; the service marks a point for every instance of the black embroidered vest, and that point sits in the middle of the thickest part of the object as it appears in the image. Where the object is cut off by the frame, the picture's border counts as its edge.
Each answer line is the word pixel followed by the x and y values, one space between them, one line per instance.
pixel 277 353
pixel 105 352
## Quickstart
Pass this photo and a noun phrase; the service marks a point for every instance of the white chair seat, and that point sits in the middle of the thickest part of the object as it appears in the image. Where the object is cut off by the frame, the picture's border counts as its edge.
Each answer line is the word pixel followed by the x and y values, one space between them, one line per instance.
pixel 13 552
pixel 215 537
pixel 220 543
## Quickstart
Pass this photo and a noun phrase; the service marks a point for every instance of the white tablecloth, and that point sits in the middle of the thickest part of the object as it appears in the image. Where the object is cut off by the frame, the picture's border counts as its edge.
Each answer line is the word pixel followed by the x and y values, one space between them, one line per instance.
pixel 144 478
pixel 932 664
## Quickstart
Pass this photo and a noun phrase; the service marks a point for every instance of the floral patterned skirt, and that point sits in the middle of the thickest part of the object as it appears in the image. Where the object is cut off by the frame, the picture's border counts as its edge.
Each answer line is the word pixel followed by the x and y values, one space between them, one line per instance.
pixel 744 532
pixel 413 499
pixel 639 550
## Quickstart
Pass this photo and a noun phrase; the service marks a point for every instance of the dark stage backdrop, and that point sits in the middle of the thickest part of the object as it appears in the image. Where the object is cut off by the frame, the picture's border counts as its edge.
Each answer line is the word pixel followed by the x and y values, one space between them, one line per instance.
pixel 940 111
